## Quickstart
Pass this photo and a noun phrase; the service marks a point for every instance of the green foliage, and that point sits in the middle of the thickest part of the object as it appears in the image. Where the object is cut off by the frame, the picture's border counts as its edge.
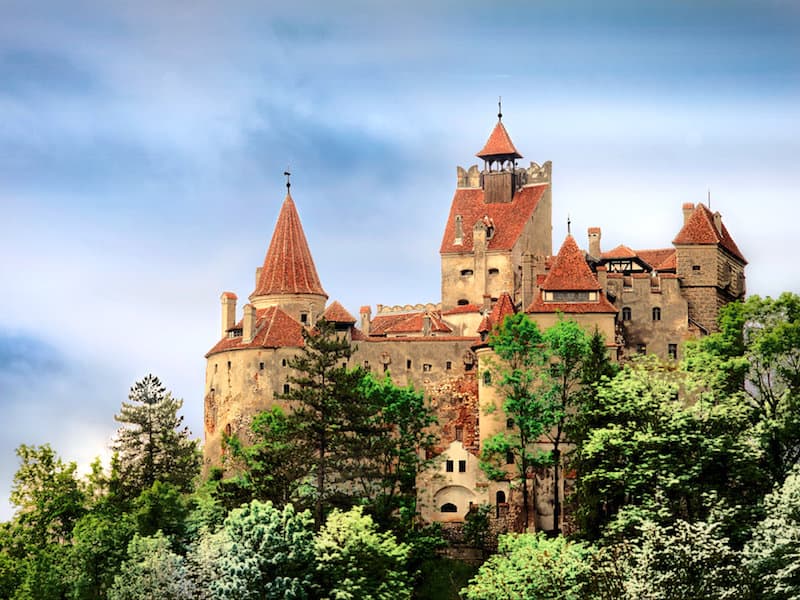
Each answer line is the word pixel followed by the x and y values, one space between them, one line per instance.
pixel 272 467
pixel 774 552
pixel 531 567
pixel 152 570
pixel 357 562
pixel 151 445
pixel 757 354
pixel 476 525
pixel 47 495
pixel 656 454
pixel 161 508
pixel 268 554
pixel 99 546
pixel 684 561
pixel 442 578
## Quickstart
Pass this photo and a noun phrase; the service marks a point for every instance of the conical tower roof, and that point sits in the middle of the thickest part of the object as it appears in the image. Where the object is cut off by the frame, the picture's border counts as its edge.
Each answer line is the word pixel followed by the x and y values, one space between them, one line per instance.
pixel 570 271
pixel 288 266
pixel 499 145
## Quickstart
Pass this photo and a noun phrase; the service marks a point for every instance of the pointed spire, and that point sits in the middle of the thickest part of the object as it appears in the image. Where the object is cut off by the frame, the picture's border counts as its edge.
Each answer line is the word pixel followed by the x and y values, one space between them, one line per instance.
pixel 499 145
pixel 288 266
pixel 570 272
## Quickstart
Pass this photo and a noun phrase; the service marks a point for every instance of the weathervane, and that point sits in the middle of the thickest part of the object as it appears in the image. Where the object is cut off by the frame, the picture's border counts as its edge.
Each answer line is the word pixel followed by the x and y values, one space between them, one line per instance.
pixel 569 224
pixel 499 108
pixel 288 175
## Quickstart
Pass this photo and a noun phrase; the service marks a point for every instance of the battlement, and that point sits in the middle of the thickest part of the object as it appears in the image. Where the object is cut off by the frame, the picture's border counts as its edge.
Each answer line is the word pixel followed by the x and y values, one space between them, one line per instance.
pixel 535 174
pixel 398 309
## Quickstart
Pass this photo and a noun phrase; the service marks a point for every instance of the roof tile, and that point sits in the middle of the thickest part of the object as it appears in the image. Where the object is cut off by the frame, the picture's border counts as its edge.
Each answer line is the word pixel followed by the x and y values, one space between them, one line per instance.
pixel 569 270
pixel 274 328
pixel 336 313
pixel 700 229
pixel 499 144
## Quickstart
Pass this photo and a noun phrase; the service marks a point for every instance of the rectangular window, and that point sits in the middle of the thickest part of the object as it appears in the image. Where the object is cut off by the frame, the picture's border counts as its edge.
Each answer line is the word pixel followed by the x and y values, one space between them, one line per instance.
pixel 509 423
pixel 261 366
pixel 304 318
pixel 641 348
pixel 448 466
pixel 426 367
pixel 462 466
pixel 672 351
pixel 448 365
pixel 408 364
pixel 509 458
pixel 285 388
pixel 229 365
pixel 695 267
pixel 459 433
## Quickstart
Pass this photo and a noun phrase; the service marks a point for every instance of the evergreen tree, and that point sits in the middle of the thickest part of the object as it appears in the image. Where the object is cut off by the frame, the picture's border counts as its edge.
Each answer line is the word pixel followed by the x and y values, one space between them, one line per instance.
pixel 151 445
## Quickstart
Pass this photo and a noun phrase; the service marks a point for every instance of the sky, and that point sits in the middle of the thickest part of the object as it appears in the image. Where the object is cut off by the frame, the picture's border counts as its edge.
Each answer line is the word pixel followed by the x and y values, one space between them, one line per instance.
pixel 143 145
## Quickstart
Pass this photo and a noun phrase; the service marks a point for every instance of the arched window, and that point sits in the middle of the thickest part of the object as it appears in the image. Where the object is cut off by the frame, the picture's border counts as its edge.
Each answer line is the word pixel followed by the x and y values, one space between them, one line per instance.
pixel 626 313
pixel 487 378
pixel 463 302
pixel 449 508
pixel 500 497
pixel 656 313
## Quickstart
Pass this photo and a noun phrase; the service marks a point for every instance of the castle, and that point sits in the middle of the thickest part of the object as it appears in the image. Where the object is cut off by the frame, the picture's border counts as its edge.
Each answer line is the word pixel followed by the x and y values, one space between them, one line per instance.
pixel 496 259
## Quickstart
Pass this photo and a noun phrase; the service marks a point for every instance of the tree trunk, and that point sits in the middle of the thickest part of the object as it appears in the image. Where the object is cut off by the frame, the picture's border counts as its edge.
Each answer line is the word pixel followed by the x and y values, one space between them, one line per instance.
pixel 556 494
pixel 320 483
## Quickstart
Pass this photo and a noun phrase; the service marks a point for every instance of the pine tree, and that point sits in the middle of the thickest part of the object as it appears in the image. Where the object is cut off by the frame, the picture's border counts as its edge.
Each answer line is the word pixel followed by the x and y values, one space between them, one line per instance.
pixel 151 445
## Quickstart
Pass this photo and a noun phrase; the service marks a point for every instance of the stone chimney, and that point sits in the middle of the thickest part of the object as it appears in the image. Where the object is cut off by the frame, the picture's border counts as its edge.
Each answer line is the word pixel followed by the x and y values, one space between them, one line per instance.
pixel 594 242
pixel 228 301
pixel 248 323
pixel 258 275
pixel 688 209
pixel 426 325
pixel 366 314
pixel 718 222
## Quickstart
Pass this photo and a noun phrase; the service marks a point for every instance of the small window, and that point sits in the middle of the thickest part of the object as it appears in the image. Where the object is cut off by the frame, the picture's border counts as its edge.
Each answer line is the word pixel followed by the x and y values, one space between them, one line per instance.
pixel 408 363
pixel 463 302
pixel 466 272
pixel 366 365
pixel 509 458
pixel 285 388
pixel 448 466
pixel 261 366
pixel 283 362
pixel 656 313
pixel 494 271
pixel 459 433
pixel 426 367
pixel 386 367
pixel 626 313
pixel 304 318
pixel 229 365
pixel 487 378
pixel 448 365
pixel 509 423
pixel 462 466
pixel 468 366
pixel 672 351
pixel 215 367
pixel 449 508
pixel 641 348
pixel 344 365
pixel 695 267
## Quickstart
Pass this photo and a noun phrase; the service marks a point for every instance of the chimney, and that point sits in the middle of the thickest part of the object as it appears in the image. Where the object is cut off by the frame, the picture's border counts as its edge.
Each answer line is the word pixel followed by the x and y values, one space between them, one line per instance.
pixel 594 242
pixel 258 275
pixel 366 314
pixel 248 323
pixel 426 325
pixel 228 301
pixel 718 222
pixel 688 209
pixel 487 303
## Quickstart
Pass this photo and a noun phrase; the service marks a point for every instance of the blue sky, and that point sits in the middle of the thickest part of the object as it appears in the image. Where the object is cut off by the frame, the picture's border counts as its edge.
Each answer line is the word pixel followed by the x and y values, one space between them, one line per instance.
pixel 142 148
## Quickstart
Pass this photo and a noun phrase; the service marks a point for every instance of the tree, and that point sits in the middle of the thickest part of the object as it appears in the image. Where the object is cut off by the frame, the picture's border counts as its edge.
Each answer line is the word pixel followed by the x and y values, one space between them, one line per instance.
pixel 151 445
pixel 268 554
pixel 357 562
pixel 152 570
pixel 530 567
pixel 773 552
pixel 684 561
pixel 757 354
pixel 664 450
pixel 399 438
pixel 272 468
pixel 329 414
pixel 47 495
pixel 519 346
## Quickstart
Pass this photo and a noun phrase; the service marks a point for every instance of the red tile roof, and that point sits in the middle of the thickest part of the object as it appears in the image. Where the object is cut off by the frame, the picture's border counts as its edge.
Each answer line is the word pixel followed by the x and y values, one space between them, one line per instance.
pixel 669 264
pixel 621 251
pixel 570 270
pixel 464 308
pixel 601 306
pixel 406 323
pixel 274 328
pixel 699 229
pixel 336 313
pixel 288 266
pixel 486 325
pixel 503 307
pixel 509 217
pixel 655 258
pixel 499 144
pixel 230 295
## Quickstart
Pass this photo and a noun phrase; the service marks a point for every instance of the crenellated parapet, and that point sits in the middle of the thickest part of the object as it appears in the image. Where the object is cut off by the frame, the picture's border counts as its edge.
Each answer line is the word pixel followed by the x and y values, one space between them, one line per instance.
pixel 468 178
pixel 384 309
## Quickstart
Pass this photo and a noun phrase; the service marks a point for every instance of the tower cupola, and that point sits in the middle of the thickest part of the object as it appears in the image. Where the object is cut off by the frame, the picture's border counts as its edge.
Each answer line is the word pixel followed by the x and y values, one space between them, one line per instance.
pixel 499 164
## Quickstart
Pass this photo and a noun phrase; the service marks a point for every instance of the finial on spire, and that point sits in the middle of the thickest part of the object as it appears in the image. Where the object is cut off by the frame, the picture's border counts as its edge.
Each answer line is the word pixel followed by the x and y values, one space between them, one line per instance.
pixel 569 225
pixel 499 108
pixel 709 198
pixel 287 174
